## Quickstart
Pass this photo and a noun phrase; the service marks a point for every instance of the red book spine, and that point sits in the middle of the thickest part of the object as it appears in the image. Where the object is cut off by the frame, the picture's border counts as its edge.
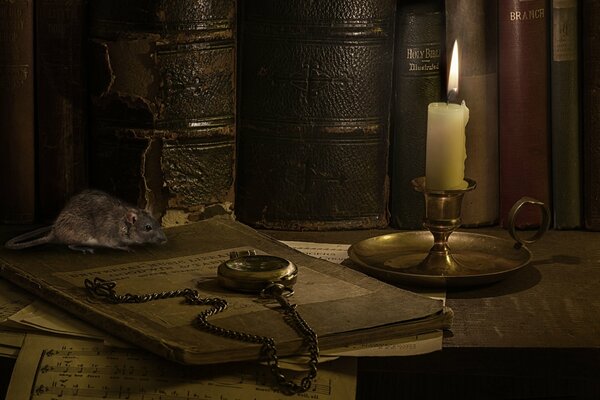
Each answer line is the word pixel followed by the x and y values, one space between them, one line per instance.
pixel 524 139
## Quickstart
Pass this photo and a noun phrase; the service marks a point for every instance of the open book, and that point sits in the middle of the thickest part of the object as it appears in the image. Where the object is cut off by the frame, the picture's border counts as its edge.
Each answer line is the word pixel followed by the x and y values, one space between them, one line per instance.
pixel 342 306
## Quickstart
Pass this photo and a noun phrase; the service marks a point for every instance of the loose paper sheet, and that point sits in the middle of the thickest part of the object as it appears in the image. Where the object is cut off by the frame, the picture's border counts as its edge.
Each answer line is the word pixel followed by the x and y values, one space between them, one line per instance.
pixel 12 299
pixel 10 343
pixel 51 368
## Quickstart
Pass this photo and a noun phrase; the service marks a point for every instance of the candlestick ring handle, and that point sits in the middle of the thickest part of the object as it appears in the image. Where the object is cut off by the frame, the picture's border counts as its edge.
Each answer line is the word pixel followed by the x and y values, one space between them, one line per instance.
pixel 512 216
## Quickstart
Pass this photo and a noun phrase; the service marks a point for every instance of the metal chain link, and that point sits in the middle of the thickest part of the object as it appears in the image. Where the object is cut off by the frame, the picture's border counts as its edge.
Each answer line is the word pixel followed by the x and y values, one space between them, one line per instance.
pixel 106 290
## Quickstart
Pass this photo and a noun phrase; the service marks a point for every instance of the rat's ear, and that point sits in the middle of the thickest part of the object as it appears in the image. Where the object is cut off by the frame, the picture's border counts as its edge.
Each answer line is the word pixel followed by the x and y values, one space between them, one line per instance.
pixel 131 217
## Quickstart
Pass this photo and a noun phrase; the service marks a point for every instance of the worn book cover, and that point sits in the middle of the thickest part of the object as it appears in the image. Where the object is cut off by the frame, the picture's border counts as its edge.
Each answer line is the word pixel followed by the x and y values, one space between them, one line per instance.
pixel 341 305
pixel 162 115
pixel 523 107
pixel 315 101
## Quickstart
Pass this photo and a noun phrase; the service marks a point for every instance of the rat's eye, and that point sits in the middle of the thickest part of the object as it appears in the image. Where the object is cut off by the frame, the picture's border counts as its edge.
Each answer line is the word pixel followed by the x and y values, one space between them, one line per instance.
pixel 148 227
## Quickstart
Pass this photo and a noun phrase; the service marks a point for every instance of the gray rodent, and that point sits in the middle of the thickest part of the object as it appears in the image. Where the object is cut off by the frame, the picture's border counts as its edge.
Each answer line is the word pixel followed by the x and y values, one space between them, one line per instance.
pixel 94 218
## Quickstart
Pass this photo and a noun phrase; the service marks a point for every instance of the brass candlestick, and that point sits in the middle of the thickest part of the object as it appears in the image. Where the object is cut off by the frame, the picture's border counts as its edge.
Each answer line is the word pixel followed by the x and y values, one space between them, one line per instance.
pixel 442 217
pixel 409 258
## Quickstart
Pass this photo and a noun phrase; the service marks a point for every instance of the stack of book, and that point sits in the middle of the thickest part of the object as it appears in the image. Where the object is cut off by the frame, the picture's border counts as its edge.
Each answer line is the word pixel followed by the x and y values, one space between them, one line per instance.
pixel 296 115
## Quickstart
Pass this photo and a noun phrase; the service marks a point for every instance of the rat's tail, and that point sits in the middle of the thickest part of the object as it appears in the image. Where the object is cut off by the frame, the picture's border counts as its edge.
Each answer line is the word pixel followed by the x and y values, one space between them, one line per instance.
pixel 30 239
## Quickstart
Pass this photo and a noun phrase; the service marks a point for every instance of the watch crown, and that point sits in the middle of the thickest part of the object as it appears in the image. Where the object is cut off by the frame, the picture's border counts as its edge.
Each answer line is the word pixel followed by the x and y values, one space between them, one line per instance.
pixel 242 253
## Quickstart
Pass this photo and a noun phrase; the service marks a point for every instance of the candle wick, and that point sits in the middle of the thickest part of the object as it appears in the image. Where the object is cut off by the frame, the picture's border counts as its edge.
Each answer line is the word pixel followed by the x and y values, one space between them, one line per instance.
pixel 452 96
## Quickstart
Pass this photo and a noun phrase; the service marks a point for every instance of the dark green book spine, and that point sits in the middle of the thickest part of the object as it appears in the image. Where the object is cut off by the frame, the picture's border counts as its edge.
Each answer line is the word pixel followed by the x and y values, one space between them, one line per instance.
pixel 315 105
pixel 566 133
pixel 162 88
pixel 418 81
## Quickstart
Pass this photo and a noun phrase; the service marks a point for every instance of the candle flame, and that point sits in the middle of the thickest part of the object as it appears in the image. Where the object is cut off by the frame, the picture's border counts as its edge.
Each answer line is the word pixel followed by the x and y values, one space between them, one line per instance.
pixel 453 75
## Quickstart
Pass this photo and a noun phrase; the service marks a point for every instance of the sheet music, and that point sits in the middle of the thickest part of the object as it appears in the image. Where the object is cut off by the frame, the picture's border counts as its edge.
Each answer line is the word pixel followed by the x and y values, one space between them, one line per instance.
pixel 51 368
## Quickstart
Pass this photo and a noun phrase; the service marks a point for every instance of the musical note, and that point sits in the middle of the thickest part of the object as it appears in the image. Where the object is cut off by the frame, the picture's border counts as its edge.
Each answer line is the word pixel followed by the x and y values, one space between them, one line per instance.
pixel 85 371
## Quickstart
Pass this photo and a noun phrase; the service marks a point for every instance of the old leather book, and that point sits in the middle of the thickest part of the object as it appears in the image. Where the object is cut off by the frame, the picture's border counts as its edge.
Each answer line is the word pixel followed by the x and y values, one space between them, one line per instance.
pixel 315 99
pixel 341 305
pixel 474 24
pixel 61 103
pixel 591 118
pixel 523 104
pixel 162 87
pixel 418 76
pixel 566 108
pixel 17 118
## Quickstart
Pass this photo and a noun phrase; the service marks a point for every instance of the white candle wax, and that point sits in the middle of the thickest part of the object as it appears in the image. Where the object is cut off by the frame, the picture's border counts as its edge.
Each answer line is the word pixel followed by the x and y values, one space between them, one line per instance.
pixel 446 146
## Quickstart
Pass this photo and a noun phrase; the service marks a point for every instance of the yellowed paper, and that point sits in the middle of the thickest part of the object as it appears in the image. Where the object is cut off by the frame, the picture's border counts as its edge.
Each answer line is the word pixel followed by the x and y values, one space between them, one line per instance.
pixel 406 346
pixel 51 368
pixel 12 299
pixel 10 343
pixel 327 251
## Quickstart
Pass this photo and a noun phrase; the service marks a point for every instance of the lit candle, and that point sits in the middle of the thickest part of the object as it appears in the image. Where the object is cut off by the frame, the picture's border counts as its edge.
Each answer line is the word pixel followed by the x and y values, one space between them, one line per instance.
pixel 446 145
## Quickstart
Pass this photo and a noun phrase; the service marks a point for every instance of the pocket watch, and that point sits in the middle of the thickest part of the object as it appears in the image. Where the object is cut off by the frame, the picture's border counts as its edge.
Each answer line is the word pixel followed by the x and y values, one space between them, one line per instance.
pixel 247 271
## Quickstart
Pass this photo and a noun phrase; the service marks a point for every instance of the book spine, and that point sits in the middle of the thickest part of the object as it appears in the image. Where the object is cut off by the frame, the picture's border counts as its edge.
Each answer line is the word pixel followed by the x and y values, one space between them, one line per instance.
pixel 418 81
pixel 61 103
pixel 591 116
pixel 162 91
pixel 315 106
pixel 524 137
pixel 474 24
pixel 565 122
pixel 17 146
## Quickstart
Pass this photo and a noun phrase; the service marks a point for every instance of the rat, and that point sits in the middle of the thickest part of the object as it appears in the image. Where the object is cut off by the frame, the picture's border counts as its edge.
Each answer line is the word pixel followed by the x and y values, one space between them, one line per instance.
pixel 93 219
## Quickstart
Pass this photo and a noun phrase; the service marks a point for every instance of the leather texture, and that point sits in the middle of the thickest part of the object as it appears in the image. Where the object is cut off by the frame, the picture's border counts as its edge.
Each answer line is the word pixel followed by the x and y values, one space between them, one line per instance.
pixel 163 84
pixel 524 136
pixel 418 82
pixel 315 105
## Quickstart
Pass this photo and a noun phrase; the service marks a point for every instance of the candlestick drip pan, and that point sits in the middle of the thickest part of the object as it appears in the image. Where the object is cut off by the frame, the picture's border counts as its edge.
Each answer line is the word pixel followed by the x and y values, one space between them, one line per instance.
pixel 480 259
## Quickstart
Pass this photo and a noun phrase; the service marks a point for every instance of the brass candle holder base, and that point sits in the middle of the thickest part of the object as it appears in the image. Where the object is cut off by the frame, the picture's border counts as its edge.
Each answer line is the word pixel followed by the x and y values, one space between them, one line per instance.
pixel 442 217
pixel 454 260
